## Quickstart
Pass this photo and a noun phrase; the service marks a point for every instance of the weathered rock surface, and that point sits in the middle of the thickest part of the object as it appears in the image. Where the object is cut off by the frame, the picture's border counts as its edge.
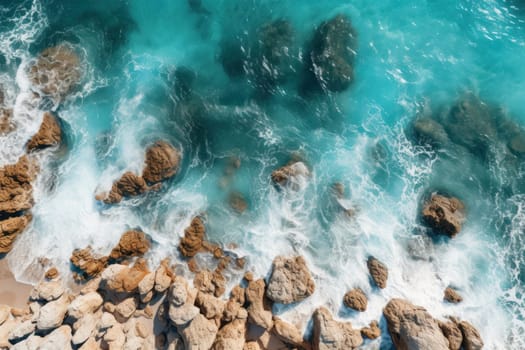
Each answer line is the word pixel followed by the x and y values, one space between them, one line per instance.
pixel 16 192
pixel 85 304
pixel 378 272
pixel 60 338
pixel 5 311
pixel 257 314
pixel 88 264
pixel 231 336
pixel 452 296
pixel 285 175
pixel 52 314
pixel 84 328
pixel 210 306
pixel 290 281
pixel 48 290
pixel 132 243
pixel 412 327
pixel 193 238
pixel 453 334
pixel 444 215
pixel 56 71
pixel 163 277
pixel 129 185
pixel 288 333
pixel 21 330
pixel 10 228
pixel 6 124
pixel 126 307
pixel 162 162
pixel 356 299
pixel 471 337
pixel 199 334
pixel 372 331
pixel 182 300
pixel 332 335
pixel 49 134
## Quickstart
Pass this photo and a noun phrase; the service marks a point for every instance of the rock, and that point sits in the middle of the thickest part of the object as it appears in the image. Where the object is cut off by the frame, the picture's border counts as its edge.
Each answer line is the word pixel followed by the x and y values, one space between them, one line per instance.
pixel 233 58
pixel 115 337
pixel 286 174
pixel 90 344
pixel 238 294
pixel 6 123
pixel 21 331
pixel 129 185
pixel 332 54
pixel 210 306
pixel 378 271
pixel 371 332
pixel 162 162
pixel 126 308
pixel 452 296
pixel 256 312
pixel 182 299
pixel 453 334
pixel 231 310
pixel 146 286
pixel 48 135
pixel 107 320
pixel 56 71
pixel 237 202
pixel 193 238
pixel 252 345
pixel 52 314
pixel 16 192
pixel 231 336
pixel 33 342
pixel 141 330
pixel 5 311
pixel 132 243
pixel 288 333
pixel 199 334
pixel 52 273
pixel 290 281
pixel 210 282
pixel 84 328
pixel 89 265
pixel 48 290
pixel 428 131
pixel 163 277
pixel 329 334
pixel 10 228
pixel 471 337
pixel 356 299
pixel 412 327
pixel 444 215
pixel 60 338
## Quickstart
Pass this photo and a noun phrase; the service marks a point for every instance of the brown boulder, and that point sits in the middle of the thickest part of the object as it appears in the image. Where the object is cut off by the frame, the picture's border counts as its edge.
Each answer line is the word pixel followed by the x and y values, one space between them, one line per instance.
pixel 129 185
pixel 56 71
pixel 193 238
pixel 48 135
pixel 52 273
pixel 231 336
pixel 6 124
pixel 452 296
pixel 290 281
pixel 162 162
pixel 378 271
pixel 453 334
pixel 412 327
pixel 257 314
pixel 332 335
pixel 128 279
pixel 131 243
pixel 356 299
pixel 444 215
pixel 471 337
pixel 89 265
pixel 9 229
pixel 210 282
pixel 371 332
pixel 16 192
pixel 288 333
pixel 285 174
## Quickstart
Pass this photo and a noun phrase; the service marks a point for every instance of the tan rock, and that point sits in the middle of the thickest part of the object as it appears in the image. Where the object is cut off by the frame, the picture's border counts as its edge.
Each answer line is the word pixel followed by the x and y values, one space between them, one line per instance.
pixel 356 299
pixel 6 123
pixel 84 304
pixel 199 334
pixel 231 336
pixel 132 243
pixel 60 338
pixel 231 310
pixel 182 299
pixel 238 294
pixel 84 329
pixel 126 308
pixel 48 290
pixel 162 162
pixel 33 342
pixel 129 185
pixel 5 311
pixel 252 345
pixel 52 273
pixel 115 337
pixel 21 330
pixel 290 281
pixel 332 335
pixel 16 192
pixel 444 215
pixel 210 306
pixel 378 271
pixel 163 277
pixel 141 330
pixel 471 337
pixel 256 312
pixel 284 175
pixel 452 296
pixel 90 344
pixel 52 314
pixel 412 326
pixel 10 228
pixel 193 238
pixel 288 333
pixel 371 332
pixel 48 135
pixel 89 264
pixel 453 334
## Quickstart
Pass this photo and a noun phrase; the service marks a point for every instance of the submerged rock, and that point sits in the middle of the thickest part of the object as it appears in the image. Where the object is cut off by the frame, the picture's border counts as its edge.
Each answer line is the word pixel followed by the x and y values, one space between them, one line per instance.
pixel 193 238
pixel 356 299
pixel 412 327
pixel 49 134
pixel 452 296
pixel 444 215
pixel 233 57
pixel 56 72
pixel 132 243
pixel 290 280
pixel 329 334
pixel 162 162
pixel 428 131
pixel 286 174
pixel 332 54
pixel 378 272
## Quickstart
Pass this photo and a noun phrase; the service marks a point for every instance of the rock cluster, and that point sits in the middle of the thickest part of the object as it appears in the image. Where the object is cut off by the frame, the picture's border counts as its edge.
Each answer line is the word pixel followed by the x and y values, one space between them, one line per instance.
pixel 444 215
pixel 161 163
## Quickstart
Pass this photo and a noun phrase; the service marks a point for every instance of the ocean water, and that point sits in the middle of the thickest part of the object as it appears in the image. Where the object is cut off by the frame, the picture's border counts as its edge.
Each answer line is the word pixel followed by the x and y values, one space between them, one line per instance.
pixel 154 70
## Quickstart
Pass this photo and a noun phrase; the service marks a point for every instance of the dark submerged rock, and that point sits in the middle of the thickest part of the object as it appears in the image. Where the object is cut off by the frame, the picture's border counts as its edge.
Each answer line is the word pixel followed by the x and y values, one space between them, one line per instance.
pixel 233 57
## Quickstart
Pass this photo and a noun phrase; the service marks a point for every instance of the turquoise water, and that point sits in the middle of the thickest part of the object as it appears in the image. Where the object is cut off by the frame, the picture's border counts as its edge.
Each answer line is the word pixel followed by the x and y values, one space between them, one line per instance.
pixel 154 71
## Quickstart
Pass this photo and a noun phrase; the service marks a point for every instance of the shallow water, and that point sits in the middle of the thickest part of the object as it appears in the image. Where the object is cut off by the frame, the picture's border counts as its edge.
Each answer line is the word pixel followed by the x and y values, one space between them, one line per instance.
pixel 412 57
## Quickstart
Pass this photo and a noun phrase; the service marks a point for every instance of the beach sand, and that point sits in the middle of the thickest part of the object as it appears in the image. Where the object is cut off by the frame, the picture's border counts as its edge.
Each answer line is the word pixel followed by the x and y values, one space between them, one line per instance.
pixel 12 293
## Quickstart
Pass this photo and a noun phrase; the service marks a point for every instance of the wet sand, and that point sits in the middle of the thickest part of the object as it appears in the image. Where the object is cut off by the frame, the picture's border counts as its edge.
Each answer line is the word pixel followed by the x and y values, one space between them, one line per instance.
pixel 12 293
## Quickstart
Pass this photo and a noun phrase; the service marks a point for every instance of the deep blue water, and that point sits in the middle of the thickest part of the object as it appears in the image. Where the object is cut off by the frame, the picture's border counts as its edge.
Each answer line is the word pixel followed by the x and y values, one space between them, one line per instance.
pixel 194 75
